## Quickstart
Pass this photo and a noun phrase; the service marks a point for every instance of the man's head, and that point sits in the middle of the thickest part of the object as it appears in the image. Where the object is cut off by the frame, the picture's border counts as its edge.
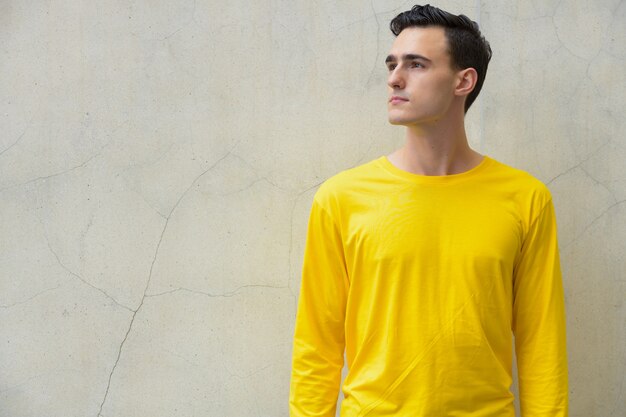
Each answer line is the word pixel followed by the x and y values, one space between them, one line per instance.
pixel 466 47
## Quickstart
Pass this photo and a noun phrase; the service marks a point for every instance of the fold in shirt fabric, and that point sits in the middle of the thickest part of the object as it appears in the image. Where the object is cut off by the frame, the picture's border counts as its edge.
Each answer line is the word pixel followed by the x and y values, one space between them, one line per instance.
pixel 422 281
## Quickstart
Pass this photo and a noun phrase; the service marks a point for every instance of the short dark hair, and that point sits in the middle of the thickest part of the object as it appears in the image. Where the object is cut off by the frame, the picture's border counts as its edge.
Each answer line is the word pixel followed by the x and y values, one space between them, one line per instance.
pixel 467 46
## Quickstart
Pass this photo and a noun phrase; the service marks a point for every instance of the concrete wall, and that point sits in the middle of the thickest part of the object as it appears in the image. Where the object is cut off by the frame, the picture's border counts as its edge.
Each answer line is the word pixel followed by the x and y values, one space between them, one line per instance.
pixel 158 160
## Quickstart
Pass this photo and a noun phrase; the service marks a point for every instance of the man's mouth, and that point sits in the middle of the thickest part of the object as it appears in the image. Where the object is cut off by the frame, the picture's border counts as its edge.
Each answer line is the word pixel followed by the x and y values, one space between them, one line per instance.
pixel 397 99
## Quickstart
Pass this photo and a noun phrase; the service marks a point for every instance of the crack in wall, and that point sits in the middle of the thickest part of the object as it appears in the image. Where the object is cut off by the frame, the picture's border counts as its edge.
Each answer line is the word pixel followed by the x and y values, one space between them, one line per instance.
pixel 259 177
pixel 373 70
pixel 578 164
pixel 80 278
pixel 192 20
pixel 226 294
pixel 16 141
pixel 598 217
pixel 81 165
pixel 30 298
pixel 600 183
pixel 147 285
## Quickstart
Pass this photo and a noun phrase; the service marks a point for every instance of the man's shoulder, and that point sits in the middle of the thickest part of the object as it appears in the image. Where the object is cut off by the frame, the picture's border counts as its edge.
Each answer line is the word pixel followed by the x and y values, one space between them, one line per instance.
pixel 516 174
pixel 348 181
pixel 522 184
pixel 349 176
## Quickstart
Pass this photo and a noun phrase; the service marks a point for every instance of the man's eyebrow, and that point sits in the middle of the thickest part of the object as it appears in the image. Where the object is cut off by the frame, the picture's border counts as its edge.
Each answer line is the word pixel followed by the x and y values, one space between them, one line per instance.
pixel 407 57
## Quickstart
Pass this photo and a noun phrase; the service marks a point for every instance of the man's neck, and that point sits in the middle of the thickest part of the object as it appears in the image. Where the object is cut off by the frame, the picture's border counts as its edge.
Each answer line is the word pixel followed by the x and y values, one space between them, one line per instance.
pixel 437 149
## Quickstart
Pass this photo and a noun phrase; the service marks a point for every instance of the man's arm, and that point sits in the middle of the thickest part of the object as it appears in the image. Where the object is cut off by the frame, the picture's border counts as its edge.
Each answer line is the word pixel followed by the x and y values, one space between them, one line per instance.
pixel 319 342
pixel 539 321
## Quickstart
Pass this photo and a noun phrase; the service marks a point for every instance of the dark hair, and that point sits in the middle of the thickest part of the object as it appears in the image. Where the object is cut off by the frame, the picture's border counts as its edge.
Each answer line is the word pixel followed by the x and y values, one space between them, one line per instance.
pixel 468 47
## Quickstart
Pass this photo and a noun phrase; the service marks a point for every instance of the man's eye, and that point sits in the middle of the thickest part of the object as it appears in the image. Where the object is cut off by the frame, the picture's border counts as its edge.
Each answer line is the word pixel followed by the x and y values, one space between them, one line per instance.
pixel 416 65
pixel 391 67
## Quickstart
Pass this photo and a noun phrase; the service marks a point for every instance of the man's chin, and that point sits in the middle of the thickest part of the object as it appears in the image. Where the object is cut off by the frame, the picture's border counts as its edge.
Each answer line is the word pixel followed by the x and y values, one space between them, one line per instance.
pixel 398 122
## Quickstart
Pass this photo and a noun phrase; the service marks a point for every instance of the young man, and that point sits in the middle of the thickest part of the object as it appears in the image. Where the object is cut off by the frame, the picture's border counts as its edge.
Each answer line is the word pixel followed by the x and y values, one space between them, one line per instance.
pixel 421 264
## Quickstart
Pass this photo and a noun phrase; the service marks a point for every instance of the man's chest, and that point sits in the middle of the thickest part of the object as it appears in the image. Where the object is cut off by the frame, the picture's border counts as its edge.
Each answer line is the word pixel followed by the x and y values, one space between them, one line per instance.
pixel 434 231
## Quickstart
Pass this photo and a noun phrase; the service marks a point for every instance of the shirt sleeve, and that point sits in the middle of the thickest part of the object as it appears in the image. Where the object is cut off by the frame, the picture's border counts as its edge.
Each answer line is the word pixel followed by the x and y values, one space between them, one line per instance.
pixel 539 321
pixel 319 341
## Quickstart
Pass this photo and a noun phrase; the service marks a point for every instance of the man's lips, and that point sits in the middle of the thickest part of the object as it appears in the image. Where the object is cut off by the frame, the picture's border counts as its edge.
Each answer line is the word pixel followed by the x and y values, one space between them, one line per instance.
pixel 397 99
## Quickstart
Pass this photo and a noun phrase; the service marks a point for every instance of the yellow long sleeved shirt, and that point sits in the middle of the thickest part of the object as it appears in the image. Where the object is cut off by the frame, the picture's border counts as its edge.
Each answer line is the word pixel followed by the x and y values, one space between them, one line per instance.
pixel 423 280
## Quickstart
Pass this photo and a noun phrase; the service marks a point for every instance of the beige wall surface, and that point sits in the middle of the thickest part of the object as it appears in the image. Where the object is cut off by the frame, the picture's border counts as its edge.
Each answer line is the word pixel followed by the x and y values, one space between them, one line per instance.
pixel 158 161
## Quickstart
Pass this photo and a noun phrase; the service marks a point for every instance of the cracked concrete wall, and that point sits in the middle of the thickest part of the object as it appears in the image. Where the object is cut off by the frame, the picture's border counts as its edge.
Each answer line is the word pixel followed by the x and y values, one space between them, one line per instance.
pixel 158 160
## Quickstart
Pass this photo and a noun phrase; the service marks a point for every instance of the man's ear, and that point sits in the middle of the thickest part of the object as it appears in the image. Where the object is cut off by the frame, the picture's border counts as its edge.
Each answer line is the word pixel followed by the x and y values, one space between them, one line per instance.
pixel 466 81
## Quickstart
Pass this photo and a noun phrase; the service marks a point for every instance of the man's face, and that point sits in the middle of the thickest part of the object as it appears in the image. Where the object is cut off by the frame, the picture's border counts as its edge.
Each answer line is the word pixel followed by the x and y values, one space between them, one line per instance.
pixel 421 79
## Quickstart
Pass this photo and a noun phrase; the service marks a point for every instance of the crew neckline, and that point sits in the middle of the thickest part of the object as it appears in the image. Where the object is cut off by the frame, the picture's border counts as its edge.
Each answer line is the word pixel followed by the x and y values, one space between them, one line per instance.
pixel 434 179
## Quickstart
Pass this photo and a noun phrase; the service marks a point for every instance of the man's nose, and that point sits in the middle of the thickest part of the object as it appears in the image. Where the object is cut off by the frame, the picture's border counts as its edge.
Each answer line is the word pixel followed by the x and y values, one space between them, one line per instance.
pixel 395 79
